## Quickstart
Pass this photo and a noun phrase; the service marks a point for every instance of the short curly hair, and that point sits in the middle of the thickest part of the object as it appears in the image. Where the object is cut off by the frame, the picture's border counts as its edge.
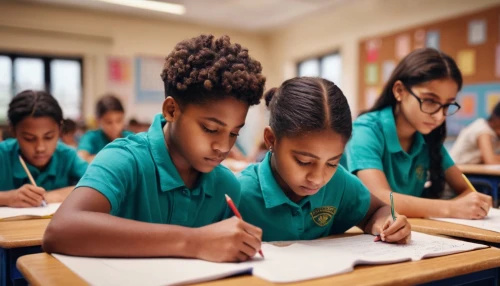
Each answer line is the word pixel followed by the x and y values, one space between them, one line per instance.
pixel 205 68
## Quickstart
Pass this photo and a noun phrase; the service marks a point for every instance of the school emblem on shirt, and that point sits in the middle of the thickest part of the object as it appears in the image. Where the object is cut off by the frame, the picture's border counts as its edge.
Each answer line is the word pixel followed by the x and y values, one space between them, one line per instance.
pixel 420 173
pixel 323 215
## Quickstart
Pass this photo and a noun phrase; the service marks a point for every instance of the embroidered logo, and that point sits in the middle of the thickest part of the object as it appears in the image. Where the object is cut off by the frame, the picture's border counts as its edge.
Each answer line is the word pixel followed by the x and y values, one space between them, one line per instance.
pixel 323 215
pixel 420 172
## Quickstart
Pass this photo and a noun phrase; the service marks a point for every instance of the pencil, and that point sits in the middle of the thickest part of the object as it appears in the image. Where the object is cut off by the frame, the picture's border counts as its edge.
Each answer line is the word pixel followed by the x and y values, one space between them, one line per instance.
pixel 469 184
pixel 44 203
pixel 237 214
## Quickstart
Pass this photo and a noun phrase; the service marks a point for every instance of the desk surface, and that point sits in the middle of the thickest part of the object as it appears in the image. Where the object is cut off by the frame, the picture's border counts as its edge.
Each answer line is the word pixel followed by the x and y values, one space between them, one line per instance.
pixel 453 229
pixel 43 269
pixel 490 170
pixel 22 233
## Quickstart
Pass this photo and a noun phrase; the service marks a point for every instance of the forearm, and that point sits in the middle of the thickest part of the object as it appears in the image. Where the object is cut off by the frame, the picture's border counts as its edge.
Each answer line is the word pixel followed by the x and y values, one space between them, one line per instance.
pixel 412 207
pixel 86 233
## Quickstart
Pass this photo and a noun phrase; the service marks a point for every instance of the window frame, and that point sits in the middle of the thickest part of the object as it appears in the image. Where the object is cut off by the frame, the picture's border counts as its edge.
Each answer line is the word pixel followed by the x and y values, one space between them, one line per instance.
pixel 46 59
pixel 319 58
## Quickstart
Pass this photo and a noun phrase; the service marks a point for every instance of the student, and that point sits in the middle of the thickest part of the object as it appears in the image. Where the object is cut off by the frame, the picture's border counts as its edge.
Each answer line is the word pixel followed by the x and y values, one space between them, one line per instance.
pixel 398 144
pixel 68 132
pixel 477 143
pixel 111 118
pixel 299 191
pixel 35 120
pixel 161 193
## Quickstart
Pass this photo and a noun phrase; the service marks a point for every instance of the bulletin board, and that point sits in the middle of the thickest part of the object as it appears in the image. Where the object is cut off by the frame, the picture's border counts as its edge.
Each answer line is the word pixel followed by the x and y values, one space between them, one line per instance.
pixel 473 40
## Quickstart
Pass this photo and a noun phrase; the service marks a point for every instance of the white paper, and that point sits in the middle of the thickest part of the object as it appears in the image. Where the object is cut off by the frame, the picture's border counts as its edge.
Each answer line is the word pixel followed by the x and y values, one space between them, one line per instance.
pixel 299 261
pixel 491 222
pixel 152 271
pixel 50 209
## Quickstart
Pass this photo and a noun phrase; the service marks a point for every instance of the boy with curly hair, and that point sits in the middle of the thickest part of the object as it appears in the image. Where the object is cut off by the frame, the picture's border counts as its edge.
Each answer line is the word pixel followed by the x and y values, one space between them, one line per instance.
pixel 161 193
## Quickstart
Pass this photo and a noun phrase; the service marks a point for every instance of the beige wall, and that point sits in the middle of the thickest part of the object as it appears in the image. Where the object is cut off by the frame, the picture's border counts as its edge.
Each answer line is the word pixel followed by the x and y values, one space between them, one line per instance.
pixel 342 28
pixel 95 35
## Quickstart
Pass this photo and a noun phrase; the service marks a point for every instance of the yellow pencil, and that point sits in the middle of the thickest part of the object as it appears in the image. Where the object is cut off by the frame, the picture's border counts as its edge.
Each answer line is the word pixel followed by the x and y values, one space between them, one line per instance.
pixel 468 183
pixel 29 176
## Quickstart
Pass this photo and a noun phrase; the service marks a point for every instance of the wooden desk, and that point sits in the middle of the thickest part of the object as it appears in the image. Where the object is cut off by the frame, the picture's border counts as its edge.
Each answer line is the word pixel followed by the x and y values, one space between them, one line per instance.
pixel 456 230
pixel 43 269
pixel 18 238
pixel 479 169
pixel 486 178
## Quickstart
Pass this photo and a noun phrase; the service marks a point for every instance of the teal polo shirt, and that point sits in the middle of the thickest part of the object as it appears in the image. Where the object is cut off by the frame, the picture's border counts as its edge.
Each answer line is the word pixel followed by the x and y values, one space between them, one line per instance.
pixel 93 141
pixel 339 205
pixel 64 169
pixel 137 176
pixel 375 145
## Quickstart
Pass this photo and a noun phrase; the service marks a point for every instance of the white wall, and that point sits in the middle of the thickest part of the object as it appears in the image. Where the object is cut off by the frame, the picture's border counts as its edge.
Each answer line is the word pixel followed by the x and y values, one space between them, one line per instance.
pixel 95 35
pixel 342 28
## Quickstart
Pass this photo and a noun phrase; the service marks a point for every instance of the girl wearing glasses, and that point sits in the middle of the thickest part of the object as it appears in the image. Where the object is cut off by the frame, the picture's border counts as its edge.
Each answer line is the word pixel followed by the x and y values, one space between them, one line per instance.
pixel 398 144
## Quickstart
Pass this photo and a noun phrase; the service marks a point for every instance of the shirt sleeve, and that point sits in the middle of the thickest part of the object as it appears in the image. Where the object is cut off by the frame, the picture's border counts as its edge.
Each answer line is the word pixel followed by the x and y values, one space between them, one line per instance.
pixel 85 144
pixel 447 160
pixel 365 149
pixel 113 173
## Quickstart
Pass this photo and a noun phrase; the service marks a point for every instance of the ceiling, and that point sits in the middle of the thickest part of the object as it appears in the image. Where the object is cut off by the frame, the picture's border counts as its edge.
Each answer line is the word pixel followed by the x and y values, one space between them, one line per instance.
pixel 250 15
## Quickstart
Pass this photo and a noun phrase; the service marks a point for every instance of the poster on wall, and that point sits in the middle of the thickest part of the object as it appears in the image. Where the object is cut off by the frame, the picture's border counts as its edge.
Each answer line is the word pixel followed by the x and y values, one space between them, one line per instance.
pixel 119 77
pixel 466 60
pixel 402 46
pixel 387 69
pixel 477 32
pixel 482 98
pixel 419 39
pixel 148 83
pixel 432 39
pixel 372 50
pixel 493 98
pixel 371 74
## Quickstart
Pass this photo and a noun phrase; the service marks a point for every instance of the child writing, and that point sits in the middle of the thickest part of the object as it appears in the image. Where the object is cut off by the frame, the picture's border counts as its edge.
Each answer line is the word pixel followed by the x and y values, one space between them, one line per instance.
pixel 299 191
pixel 478 142
pixel 398 145
pixel 161 193
pixel 35 119
pixel 111 118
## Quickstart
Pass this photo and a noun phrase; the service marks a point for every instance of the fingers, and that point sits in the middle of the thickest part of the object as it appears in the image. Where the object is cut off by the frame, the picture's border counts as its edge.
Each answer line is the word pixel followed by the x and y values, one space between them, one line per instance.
pixel 394 226
pixel 253 230
pixel 29 200
pixel 37 190
pixel 248 250
pixel 400 235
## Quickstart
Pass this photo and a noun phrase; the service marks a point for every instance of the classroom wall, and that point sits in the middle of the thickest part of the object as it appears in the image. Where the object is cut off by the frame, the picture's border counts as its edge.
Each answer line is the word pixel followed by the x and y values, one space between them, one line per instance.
pixel 97 35
pixel 342 28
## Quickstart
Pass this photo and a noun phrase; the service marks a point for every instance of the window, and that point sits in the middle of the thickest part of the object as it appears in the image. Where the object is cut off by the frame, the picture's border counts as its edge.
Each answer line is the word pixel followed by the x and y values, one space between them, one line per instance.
pixel 328 67
pixel 62 77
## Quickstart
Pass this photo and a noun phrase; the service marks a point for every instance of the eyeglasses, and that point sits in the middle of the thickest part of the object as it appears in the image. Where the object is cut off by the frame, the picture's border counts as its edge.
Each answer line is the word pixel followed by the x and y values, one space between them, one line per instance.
pixel 430 106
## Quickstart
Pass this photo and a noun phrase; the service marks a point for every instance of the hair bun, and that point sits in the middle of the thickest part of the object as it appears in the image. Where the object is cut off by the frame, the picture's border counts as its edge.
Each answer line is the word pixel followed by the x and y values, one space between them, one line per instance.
pixel 269 95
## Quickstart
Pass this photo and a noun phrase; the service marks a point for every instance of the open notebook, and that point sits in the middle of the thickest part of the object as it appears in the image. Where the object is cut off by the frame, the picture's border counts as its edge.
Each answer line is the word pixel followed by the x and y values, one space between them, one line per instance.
pixel 299 261
pixel 7 213
pixel 491 222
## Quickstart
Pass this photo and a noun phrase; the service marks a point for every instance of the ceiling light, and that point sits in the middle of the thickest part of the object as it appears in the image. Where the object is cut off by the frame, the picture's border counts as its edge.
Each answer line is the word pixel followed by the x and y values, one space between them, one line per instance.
pixel 150 5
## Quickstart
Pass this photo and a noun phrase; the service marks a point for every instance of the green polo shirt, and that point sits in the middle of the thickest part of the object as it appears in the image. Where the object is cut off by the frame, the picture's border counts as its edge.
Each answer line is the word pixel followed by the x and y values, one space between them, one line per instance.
pixel 339 205
pixel 137 176
pixel 375 145
pixel 64 169
pixel 93 141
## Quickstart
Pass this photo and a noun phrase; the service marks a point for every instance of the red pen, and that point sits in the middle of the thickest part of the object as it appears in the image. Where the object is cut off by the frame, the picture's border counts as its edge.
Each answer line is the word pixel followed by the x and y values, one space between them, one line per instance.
pixel 237 214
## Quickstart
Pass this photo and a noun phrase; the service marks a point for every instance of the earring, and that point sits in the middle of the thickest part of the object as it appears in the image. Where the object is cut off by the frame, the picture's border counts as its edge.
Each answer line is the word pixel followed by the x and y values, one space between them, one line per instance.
pixel 271 149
